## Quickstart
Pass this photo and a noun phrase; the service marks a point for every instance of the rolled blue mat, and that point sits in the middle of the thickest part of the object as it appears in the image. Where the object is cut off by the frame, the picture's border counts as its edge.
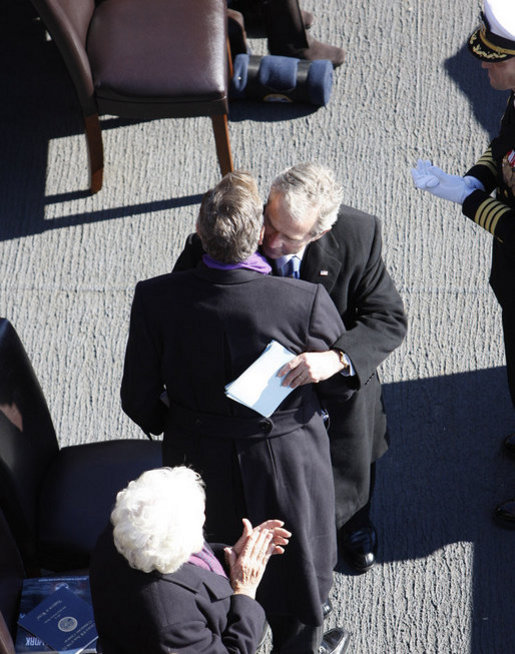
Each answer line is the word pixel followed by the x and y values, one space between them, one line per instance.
pixel 281 79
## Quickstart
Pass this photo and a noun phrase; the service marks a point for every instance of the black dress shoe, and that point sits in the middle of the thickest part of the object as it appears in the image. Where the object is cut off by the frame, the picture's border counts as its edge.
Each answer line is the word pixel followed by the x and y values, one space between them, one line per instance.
pixel 359 547
pixel 504 514
pixel 509 444
pixel 335 641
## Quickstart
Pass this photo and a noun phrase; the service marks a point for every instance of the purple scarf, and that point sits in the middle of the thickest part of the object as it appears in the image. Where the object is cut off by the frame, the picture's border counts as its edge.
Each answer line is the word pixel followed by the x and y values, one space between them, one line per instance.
pixel 255 262
pixel 207 560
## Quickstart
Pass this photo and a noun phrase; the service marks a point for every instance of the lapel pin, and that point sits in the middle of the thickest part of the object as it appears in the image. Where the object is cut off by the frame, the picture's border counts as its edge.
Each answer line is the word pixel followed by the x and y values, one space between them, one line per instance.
pixel 324 273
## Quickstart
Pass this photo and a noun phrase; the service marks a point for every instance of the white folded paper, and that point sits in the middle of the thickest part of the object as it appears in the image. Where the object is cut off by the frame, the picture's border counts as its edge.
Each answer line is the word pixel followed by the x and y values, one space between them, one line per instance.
pixel 258 387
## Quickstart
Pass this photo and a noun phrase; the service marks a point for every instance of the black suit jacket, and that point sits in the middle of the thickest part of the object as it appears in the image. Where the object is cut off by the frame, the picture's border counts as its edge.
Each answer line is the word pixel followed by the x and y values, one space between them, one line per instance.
pixel 191 611
pixel 348 262
pixel 193 332
pixel 373 314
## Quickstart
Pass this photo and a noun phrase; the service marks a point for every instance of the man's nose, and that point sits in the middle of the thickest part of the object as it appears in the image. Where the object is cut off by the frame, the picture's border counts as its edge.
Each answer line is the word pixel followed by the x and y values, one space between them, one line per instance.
pixel 273 238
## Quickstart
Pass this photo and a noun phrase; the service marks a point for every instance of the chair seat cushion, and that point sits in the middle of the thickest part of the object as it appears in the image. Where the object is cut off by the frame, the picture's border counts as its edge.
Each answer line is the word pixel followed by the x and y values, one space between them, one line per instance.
pixel 79 492
pixel 163 50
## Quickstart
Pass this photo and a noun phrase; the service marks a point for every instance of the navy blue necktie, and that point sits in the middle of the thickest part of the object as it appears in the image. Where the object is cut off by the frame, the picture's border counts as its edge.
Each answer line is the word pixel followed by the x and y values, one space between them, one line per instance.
pixel 292 268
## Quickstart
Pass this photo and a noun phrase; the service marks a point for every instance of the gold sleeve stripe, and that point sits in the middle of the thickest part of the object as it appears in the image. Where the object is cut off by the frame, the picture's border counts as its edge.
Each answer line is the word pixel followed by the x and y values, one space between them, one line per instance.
pixel 488 214
pixel 487 160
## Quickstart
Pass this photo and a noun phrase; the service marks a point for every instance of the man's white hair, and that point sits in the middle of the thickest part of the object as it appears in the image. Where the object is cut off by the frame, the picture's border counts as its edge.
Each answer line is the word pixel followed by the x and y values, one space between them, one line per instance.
pixel 309 186
pixel 158 519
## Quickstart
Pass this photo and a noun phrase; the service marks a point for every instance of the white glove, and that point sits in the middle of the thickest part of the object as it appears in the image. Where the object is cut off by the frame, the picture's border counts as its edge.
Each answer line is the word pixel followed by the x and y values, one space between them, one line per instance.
pixel 449 187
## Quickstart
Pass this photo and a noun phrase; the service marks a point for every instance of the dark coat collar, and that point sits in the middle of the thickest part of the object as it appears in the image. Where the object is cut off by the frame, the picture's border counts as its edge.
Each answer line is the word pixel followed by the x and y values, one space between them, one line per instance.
pixel 236 276
pixel 193 578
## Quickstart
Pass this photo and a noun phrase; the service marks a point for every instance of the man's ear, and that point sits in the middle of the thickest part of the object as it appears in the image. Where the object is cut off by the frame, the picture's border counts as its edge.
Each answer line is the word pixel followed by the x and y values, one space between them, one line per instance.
pixel 196 228
pixel 315 238
pixel 261 235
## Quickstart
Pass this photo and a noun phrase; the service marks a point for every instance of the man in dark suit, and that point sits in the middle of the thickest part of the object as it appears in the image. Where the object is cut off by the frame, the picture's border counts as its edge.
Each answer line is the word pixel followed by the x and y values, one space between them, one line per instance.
pixel 193 332
pixel 340 248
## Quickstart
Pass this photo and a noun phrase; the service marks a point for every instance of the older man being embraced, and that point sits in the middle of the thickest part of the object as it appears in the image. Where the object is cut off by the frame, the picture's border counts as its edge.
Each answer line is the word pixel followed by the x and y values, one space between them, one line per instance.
pixel 308 229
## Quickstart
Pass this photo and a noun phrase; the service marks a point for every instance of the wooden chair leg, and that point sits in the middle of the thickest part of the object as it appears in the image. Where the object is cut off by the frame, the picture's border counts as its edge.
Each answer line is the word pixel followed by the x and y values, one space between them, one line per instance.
pixel 229 59
pixel 95 151
pixel 223 146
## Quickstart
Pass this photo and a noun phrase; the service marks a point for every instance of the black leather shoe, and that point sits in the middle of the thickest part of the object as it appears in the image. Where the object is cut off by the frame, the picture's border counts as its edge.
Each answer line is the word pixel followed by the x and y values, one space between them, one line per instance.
pixel 335 641
pixel 504 514
pixel 327 608
pixel 509 445
pixel 359 547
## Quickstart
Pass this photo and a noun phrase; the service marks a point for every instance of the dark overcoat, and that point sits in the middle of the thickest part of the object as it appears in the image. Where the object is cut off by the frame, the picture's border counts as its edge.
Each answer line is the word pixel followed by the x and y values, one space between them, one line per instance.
pixel 348 262
pixel 192 333
pixel 192 610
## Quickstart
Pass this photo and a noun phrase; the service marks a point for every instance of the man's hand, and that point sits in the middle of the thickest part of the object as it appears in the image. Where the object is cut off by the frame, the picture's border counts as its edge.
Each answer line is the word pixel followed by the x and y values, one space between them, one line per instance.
pixel 449 187
pixel 310 368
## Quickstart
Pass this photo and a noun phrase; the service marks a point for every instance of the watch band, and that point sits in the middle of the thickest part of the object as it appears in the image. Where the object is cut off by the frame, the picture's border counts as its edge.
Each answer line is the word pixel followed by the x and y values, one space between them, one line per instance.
pixel 343 358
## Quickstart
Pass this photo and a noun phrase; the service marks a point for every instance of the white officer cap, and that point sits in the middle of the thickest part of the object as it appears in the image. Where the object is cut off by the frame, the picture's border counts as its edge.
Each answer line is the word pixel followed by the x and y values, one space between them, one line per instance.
pixel 494 39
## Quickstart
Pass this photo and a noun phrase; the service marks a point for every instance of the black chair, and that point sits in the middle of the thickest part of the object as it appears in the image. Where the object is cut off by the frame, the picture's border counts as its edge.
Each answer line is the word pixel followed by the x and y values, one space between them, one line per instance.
pixel 12 575
pixel 11 580
pixel 57 501
pixel 144 59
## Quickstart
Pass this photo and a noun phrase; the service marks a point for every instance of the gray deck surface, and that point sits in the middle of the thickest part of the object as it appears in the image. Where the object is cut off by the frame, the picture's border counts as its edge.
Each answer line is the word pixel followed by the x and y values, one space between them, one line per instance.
pixel 445 581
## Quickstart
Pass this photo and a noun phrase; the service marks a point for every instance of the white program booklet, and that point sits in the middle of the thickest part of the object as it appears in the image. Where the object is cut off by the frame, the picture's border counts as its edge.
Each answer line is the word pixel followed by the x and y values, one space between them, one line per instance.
pixel 259 387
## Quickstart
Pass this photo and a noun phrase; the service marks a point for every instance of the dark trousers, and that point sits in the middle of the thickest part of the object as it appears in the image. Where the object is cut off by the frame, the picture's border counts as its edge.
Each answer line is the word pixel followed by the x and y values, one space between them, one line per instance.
pixel 290 636
pixel 508 325
pixel 282 19
pixel 362 517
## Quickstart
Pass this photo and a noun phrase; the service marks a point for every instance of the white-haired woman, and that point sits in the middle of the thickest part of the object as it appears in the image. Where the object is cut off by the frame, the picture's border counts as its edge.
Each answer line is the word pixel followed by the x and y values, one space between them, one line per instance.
pixel 157 587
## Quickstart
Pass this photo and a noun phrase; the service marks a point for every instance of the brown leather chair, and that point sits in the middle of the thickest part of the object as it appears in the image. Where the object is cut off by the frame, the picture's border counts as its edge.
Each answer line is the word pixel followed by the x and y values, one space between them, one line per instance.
pixel 56 501
pixel 144 59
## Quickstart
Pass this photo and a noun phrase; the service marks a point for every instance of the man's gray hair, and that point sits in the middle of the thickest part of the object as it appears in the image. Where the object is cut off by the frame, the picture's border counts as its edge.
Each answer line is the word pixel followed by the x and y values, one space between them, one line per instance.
pixel 309 186
pixel 158 519
pixel 230 218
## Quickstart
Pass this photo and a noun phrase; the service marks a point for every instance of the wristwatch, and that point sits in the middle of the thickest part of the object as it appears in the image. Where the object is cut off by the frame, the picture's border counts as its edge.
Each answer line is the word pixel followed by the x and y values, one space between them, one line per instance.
pixel 343 358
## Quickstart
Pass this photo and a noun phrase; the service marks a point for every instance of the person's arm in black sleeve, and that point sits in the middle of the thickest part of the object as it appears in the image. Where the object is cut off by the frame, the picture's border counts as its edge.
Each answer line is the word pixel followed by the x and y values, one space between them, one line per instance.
pixel 493 215
pixel 142 384
pixel 379 323
pixel 485 171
